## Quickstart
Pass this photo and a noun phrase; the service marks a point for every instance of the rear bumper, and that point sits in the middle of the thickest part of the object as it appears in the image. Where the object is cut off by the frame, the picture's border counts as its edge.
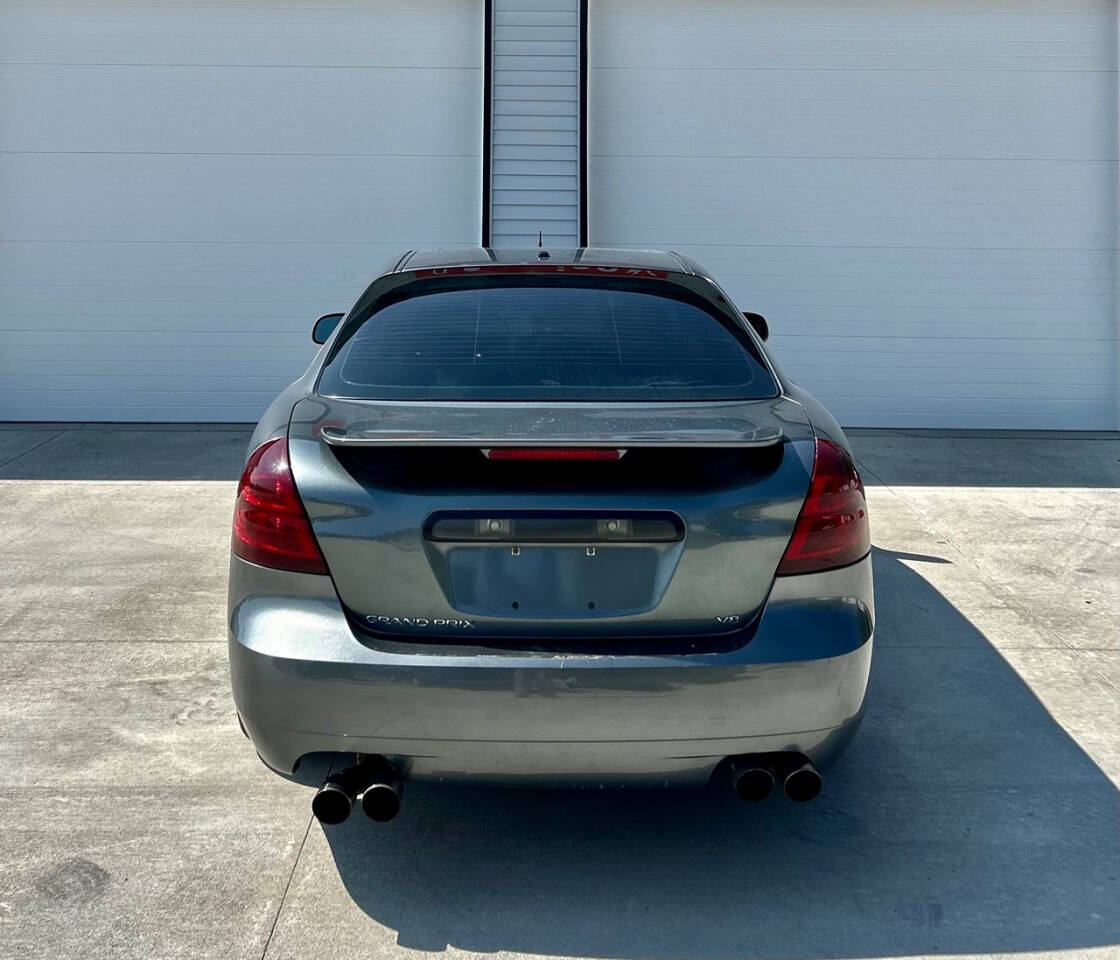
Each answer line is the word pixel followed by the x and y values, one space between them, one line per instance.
pixel 304 683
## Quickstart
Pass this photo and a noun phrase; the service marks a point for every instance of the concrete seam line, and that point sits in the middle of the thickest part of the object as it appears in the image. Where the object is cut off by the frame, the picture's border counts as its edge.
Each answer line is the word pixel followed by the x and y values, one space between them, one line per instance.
pixel 291 876
pixel 53 436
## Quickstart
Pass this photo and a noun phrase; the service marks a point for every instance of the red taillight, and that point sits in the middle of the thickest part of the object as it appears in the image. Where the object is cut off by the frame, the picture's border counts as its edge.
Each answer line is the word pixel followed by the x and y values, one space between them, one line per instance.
pixel 832 528
pixel 553 453
pixel 269 524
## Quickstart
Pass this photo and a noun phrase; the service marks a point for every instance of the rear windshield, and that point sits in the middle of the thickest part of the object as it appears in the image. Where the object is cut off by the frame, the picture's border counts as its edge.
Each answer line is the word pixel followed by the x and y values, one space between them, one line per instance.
pixel 527 340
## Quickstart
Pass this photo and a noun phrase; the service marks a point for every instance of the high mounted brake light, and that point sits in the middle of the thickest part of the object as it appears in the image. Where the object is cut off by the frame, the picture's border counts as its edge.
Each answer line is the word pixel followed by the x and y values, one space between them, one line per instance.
pixel 270 527
pixel 832 529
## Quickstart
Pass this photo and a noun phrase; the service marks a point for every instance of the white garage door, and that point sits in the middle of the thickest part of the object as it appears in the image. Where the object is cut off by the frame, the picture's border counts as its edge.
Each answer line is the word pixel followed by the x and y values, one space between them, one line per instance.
pixel 185 187
pixel 920 196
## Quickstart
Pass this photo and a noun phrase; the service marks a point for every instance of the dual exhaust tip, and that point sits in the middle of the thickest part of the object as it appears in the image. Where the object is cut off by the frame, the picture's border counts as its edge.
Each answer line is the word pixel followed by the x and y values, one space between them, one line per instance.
pixel 373 783
pixel 755 776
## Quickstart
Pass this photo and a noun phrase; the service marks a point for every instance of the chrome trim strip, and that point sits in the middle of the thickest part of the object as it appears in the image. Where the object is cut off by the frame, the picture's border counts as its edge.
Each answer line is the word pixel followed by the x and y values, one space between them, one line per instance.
pixel 336 438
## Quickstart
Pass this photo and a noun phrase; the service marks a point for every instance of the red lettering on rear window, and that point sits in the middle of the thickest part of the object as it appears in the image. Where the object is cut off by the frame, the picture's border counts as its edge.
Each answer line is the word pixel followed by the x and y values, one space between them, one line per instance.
pixel 511 268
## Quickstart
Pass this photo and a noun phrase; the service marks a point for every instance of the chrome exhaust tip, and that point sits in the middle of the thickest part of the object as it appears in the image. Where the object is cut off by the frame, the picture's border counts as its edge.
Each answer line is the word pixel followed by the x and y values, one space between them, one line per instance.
pixel 752 780
pixel 802 783
pixel 371 776
pixel 332 803
pixel 382 800
pixel 754 776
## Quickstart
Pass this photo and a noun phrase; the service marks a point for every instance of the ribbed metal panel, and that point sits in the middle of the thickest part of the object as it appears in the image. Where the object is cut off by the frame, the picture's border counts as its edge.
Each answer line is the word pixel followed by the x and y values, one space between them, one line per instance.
pixel 205 246
pixel 535 123
pixel 921 197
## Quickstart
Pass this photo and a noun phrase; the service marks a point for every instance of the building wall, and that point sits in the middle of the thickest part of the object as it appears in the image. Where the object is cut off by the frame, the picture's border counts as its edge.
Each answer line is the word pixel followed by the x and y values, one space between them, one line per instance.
pixel 184 189
pixel 921 197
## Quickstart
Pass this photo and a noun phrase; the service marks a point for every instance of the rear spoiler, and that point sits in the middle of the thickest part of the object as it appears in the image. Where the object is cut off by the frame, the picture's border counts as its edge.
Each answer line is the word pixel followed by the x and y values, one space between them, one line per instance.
pixel 373 423
pixel 337 437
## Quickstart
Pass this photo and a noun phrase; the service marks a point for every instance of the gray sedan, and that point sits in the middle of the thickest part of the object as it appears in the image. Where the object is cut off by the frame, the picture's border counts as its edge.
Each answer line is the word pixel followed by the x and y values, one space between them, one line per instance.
pixel 548 517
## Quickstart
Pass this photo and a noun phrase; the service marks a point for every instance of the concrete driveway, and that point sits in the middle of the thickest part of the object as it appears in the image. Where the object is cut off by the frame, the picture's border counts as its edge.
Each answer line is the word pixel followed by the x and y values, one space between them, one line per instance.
pixel 977 812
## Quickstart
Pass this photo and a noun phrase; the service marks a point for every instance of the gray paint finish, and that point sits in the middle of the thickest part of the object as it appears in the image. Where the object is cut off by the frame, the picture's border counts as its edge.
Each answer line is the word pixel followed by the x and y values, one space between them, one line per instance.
pixel 535 132
pixel 303 682
pixel 737 531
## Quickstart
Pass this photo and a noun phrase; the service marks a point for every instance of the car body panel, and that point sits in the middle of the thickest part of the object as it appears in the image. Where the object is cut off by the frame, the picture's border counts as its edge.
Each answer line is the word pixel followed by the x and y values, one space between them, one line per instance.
pixel 629 259
pixel 310 674
pixel 720 573
pixel 303 682
pixel 341 422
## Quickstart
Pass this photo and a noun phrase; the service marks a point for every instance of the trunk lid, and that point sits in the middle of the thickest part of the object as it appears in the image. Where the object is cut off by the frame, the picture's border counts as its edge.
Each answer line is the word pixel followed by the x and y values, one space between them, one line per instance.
pixel 426 537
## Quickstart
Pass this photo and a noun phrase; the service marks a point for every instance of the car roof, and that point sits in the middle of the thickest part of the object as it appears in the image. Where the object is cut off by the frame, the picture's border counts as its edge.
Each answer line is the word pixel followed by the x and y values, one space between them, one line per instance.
pixel 585 256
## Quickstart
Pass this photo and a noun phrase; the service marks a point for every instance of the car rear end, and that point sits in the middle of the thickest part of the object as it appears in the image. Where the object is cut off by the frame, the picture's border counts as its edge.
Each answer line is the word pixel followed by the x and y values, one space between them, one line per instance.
pixel 549 527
